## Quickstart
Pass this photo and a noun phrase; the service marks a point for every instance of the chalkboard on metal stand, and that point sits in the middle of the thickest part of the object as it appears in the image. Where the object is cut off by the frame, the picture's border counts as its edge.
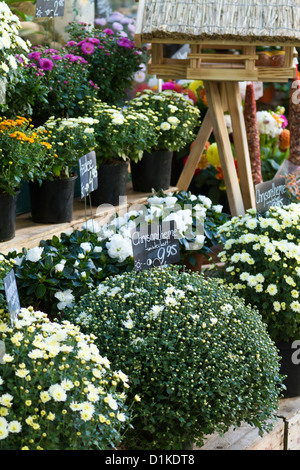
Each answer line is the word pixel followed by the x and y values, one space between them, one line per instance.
pixel 155 244
pixel 271 193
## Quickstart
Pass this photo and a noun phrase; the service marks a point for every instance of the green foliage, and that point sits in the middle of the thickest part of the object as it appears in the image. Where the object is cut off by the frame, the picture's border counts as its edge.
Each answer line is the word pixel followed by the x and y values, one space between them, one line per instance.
pixel 198 357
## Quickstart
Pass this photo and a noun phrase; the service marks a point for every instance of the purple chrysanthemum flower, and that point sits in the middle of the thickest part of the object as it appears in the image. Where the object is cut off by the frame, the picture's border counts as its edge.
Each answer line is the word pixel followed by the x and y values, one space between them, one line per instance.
pixel 34 55
pixel 108 31
pixel 46 64
pixel 94 40
pixel 87 48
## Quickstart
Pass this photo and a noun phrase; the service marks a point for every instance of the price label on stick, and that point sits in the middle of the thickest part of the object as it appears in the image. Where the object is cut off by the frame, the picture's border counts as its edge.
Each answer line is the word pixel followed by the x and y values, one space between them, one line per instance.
pixel 155 245
pixel 49 8
pixel 88 173
pixel 12 295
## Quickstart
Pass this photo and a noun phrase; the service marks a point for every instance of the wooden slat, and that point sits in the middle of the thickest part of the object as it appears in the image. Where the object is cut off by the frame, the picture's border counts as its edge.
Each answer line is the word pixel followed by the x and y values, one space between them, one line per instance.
pixel 232 44
pixel 208 74
pixel 138 25
pixel 241 144
pixel 195 154
pixel 276 74
pixel 233 190
pixel 224 57
pixel 168 71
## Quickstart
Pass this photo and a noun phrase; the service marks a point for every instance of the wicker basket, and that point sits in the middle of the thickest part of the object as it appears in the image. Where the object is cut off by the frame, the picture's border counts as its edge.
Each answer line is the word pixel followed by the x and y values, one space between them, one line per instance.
pixel 271 21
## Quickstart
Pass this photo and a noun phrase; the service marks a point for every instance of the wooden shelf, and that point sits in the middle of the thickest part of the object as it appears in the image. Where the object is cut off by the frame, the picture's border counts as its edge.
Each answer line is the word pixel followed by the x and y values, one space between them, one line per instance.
pixel 29 234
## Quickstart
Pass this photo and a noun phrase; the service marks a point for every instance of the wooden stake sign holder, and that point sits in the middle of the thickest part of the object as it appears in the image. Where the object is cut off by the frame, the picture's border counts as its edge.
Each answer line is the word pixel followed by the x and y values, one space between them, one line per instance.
pixel 221 64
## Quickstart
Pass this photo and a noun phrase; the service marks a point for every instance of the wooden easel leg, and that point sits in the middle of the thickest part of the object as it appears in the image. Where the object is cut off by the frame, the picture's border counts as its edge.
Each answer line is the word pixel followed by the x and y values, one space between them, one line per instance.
pixel 195 154
pixel 240 144
pixel 233 190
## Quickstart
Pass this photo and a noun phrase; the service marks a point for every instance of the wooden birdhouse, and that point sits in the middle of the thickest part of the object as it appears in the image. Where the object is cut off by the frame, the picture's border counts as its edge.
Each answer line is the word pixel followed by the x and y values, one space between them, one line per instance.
pixel 229 41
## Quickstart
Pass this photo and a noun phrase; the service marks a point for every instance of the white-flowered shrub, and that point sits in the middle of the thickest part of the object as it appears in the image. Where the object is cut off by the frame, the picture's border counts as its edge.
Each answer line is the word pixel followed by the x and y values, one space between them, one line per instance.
pixel 56 391
pixel 262 260
pixel 198 357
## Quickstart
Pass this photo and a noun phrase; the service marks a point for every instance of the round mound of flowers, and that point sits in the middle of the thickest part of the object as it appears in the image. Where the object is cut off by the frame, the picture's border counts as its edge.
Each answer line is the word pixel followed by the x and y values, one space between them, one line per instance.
pixel 56 391
pixel 197 356
pixel 262 259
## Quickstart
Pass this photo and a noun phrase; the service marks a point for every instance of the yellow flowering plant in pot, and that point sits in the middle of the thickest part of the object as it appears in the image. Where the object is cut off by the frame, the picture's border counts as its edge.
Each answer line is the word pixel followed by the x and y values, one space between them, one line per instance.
pixel 176 121
pixel 22 150
pixel 52 192
pixel 57 392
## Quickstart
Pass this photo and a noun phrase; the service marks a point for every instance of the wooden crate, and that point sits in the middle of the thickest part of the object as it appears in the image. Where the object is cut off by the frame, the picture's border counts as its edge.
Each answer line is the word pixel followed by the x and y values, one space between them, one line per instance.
pixel 247 438
pixel 289 411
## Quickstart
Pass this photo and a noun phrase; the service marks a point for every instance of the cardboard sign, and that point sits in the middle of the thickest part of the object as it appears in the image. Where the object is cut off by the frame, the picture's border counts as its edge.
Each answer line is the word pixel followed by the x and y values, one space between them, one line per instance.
pixel 155 245
pixel 270 193
pixel 12 295
pixel 88 174
pixel 49 8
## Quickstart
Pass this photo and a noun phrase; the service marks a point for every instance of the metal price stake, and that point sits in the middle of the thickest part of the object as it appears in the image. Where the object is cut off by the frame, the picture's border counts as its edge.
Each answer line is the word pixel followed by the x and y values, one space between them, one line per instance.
pixel 88 180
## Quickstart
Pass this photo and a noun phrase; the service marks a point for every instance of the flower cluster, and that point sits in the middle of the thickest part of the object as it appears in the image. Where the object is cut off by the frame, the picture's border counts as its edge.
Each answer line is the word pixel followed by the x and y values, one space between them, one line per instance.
pixel 56 390
pixel 22 149
pixel 113 59
pixel 175 118
pixel 262 256
pixel 70 138
pixel 199 358
pixel 274 140
pixel 120 134
pixel 10 42
pixel 64 80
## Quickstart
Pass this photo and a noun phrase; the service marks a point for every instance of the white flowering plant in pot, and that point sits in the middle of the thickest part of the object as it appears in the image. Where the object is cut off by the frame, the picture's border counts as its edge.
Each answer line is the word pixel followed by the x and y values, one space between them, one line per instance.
pixel 262 264
pixel 57 392
pixel 60 270
pixel 197 356
pixel 121 133
pixel 176 119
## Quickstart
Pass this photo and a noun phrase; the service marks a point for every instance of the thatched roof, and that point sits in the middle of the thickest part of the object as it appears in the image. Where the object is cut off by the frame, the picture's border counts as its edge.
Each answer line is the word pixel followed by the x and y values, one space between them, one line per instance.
pixel 252 20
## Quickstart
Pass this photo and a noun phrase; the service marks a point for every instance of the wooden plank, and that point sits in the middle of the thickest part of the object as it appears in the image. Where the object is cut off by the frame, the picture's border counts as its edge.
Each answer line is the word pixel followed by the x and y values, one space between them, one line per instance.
pixel 241 144
pixel 230 44
pixel 210 74
pixel 289 410
pixel 29 234
pixel 289 53
pixel 224 57
pixel 222 138
pixel 247 437
pixel 169 71
pixel 195 154
pixel 276 74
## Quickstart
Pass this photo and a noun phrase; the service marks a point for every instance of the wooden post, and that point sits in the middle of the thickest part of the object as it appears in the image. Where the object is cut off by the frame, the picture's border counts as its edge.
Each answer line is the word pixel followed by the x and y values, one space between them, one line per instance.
pixel 240 144
pixel 195 154
pixel 233 190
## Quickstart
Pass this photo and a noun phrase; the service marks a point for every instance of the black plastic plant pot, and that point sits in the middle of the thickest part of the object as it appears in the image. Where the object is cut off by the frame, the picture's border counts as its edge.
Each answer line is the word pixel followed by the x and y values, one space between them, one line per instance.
pixel 153 171
pixel 52 201
pixel 290 366
pixel 8 205
pixel 112 183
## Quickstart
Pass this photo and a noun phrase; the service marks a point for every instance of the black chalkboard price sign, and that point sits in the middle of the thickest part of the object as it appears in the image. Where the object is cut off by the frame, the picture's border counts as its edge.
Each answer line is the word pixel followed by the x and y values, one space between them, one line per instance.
pixel 88 173
pixel 271 193
pixel 49 8
pixel 155 245
pixel 12 295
